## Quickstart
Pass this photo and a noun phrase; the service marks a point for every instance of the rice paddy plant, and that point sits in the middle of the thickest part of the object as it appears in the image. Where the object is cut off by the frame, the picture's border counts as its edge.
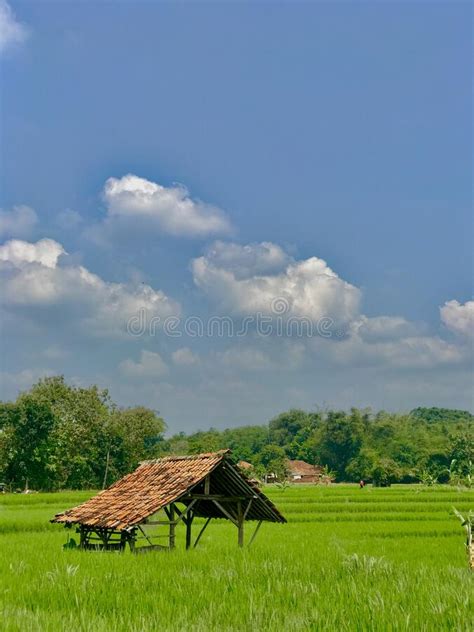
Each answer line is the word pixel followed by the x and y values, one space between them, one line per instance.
pixel 342 562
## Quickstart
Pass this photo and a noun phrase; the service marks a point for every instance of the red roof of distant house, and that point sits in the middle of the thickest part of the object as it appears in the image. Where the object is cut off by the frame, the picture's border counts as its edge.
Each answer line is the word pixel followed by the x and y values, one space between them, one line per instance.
pixel 301 468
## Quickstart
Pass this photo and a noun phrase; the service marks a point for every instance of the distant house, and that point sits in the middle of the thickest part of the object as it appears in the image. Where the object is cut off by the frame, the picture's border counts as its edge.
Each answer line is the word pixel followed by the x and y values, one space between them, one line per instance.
pixel 302 472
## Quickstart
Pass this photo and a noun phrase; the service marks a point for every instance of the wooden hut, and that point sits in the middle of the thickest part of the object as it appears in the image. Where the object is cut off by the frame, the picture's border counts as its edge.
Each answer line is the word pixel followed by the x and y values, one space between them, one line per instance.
pixel 166 492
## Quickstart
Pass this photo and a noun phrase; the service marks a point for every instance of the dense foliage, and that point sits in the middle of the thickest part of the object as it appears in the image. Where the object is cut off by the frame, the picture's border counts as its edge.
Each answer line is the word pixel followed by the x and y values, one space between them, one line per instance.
pixel 355 445
pixel 57 436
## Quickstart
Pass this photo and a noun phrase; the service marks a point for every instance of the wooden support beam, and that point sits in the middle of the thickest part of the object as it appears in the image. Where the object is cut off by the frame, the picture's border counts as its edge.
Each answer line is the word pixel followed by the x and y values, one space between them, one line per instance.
pixel 183 514
pixel 146 537
pixel 123 540
pixel 189 522
pixel 81 537
pixel 105 536
pixel 241 535
pixel 248 508
pixel 202 531
pixel 255 532
pixel 240 524
pixel 207 485
pixel 225 512
pixel 220 497
pixel 172 526
pixel 180 514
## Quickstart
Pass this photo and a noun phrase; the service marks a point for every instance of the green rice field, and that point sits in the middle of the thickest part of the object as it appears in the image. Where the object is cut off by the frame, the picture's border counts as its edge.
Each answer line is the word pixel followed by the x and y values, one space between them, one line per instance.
pixel 348 559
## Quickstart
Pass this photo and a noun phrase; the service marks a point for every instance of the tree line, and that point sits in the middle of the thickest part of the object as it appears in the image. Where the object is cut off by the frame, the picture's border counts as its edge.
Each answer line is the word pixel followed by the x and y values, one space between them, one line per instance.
pixel 58 436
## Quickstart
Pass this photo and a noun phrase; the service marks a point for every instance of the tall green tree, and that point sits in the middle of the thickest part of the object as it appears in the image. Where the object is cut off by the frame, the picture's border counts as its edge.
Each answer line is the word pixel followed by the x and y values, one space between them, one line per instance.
pixel 78 437
pixel 339 439
pixel 292 425
pixel 132 435
pixel 25 442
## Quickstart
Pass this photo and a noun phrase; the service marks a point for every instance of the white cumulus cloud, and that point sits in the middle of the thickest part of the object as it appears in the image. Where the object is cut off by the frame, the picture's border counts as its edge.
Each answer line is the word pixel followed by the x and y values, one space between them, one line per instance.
pixel 17 222
pixel 256 278
pixel 45 252
pixel 32 276
pixel 167 209
pixel 459 317
pixel 12 32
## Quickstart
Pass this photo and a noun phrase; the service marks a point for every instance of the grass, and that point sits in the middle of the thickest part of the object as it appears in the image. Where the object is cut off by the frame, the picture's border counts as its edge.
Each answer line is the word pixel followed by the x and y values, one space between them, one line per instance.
pixel 348 559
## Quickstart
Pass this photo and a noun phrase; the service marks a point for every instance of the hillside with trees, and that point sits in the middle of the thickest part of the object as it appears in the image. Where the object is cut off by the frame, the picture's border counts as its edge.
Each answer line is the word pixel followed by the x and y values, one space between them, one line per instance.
pixel 57 436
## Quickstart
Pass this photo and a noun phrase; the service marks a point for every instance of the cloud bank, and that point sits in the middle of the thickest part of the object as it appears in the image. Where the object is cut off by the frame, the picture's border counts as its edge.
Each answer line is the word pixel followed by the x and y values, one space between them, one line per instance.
pixel 57 308
pixel 33 277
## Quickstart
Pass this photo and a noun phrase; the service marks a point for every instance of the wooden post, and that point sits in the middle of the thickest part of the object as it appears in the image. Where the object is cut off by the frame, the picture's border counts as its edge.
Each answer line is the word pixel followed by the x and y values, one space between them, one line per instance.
pixel 104 536
pixel 189 522
pixel 240 524
pixel 82 534
pixel 123 540
pixel 207 485
pixel 132 539
pixel 172 526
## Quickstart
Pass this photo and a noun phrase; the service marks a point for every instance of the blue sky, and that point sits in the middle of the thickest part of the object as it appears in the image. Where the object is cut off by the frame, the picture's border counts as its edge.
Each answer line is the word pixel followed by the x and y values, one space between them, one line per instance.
pixel 298 133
